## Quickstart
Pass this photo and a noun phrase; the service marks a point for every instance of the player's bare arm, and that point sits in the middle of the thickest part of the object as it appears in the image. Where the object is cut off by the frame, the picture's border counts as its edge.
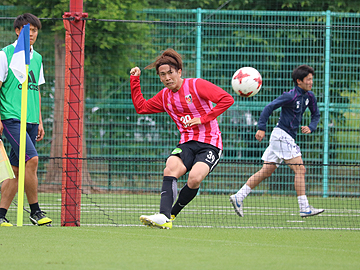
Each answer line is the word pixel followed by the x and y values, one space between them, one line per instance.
pixel 305 129
pixel 135 71
pixel 260 134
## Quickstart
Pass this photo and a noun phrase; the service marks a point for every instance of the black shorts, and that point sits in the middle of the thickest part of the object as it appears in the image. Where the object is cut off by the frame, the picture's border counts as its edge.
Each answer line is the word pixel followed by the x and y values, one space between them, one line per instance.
pixel 193 151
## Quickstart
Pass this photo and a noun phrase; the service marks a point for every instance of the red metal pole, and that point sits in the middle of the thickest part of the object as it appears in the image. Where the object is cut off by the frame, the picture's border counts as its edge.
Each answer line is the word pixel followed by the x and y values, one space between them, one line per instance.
pixel 76 6
pixel 71 199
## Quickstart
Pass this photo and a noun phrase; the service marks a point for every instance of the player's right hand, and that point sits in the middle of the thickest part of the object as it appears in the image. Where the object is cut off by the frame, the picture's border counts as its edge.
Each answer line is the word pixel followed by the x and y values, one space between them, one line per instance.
pixel 135 71
pixel 260 134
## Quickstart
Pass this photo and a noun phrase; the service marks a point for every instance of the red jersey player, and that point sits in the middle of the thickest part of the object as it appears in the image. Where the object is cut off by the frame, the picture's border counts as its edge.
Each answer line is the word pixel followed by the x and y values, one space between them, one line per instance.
pixel 188 101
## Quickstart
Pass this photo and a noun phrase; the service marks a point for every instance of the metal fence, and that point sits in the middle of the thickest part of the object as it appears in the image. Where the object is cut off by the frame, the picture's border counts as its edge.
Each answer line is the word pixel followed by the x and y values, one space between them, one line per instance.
pixel 215 44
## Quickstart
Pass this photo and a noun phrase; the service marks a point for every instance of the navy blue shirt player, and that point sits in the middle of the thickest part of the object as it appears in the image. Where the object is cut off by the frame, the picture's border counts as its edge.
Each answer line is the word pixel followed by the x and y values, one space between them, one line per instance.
pixel 282 146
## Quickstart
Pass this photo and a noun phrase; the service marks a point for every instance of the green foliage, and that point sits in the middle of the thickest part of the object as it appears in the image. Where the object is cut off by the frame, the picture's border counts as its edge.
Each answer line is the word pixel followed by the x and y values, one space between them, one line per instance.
pixel 108 49
pixel 293 5
pixel 109 46
pixel 42 9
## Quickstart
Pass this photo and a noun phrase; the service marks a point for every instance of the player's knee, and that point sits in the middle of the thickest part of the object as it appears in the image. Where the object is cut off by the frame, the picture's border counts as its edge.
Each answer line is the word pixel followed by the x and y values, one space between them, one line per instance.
pixel 176 172
pixel 194 180
pixel 33 162
pixel 193 184
pixel 267 170
pixel 168 171
pixel 266 174
pixel 300 169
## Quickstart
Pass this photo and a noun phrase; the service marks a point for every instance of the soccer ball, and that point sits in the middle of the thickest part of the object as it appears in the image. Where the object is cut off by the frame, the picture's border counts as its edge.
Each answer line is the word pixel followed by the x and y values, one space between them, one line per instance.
pixel 246 82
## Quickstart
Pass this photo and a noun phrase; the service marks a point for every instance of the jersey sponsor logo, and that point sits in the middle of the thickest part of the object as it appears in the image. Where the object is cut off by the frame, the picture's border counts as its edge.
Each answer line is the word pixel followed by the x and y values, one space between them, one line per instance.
pixel 188 99
pixel 32 84
pixel 297 104
pixel 176 151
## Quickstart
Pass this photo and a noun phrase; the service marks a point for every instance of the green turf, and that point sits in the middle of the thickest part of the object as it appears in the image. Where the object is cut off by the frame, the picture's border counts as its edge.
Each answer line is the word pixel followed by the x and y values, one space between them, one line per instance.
pixel 180 248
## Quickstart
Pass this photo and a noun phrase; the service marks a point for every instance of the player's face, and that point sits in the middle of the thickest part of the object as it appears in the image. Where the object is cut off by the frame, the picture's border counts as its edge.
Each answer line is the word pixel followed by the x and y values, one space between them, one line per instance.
pixel 170 77
pixel 33 33
pixel 306 83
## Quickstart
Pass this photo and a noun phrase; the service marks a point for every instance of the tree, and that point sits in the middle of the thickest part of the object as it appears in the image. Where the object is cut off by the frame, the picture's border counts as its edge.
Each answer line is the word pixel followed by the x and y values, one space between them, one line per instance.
pixel 102 40
pixel 291 5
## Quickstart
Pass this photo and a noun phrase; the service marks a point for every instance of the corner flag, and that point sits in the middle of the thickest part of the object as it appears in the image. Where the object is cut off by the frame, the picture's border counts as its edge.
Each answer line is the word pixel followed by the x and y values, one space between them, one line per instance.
pixel 20 66
pixel 21 56
pixel 6 171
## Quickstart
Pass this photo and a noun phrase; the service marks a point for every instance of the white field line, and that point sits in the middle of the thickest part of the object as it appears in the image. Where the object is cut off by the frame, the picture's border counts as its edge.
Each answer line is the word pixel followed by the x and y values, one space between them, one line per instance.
pixel 225 227
pixel 205 210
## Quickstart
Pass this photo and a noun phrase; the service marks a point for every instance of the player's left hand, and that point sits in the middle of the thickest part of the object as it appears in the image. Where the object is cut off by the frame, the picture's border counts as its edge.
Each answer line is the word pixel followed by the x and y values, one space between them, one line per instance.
pixel 194 121
pixel 41 133
pixel 305 129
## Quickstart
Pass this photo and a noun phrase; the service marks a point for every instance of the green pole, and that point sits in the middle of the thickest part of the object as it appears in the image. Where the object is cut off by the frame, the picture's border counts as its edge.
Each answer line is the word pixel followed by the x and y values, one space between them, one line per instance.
pixel 326 104
pixel 198 44
pixel 198 50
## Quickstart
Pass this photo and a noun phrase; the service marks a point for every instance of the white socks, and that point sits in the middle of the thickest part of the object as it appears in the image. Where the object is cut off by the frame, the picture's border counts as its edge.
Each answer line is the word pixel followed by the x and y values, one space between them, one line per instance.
pixel 303 203
pixel 243 192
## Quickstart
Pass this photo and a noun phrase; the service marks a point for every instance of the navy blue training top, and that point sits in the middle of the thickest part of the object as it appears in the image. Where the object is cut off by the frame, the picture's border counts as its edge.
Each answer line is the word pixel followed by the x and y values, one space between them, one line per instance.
pixel 293 105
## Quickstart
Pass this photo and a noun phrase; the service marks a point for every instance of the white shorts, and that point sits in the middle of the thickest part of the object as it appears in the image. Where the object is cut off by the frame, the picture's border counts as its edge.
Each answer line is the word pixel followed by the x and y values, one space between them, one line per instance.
pixel 282 147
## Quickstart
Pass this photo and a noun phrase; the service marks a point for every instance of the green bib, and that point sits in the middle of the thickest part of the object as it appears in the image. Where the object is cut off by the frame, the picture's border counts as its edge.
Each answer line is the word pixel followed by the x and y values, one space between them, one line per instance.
pixel 10 92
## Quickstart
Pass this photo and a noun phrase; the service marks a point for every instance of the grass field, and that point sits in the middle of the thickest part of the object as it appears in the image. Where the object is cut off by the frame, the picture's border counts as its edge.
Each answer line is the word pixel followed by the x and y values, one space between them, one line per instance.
pixel 139 247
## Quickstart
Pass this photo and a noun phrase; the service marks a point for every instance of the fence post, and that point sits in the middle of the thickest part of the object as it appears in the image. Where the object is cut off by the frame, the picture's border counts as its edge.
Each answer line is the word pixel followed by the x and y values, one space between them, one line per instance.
pixel 73 133
pixel 198 43
pixel 326 102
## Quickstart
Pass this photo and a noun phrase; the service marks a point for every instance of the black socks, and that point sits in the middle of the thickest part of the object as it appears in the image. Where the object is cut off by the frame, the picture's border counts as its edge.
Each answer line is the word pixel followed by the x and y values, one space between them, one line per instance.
pixel 185 196
pixel 168 194
pixel 34 207
pixel 3 212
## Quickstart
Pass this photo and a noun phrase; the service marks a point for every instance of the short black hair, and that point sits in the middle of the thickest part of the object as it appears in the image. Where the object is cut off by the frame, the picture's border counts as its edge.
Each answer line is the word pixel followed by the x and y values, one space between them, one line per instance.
pixel 301 72
pixel 26 18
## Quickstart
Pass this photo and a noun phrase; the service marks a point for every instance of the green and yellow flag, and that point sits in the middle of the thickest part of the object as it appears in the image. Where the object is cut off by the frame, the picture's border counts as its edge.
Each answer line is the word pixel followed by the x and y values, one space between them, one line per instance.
pixel 6 171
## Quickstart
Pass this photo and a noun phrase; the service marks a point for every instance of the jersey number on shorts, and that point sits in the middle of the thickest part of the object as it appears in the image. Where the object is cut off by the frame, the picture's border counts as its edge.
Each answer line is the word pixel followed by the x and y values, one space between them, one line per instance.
pixel 210 157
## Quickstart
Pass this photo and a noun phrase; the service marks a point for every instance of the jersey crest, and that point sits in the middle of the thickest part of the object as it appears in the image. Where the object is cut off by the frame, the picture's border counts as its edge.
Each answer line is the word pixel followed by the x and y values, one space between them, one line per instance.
pixel 188 99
